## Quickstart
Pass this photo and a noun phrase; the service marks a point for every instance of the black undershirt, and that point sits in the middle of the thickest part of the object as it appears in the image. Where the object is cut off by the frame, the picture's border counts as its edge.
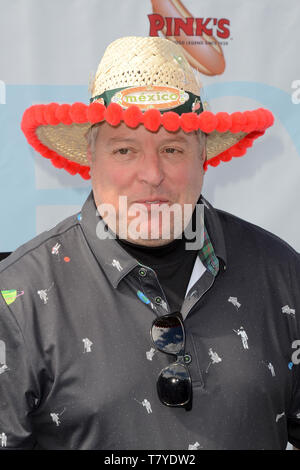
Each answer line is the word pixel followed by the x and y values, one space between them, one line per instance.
pixel 172 263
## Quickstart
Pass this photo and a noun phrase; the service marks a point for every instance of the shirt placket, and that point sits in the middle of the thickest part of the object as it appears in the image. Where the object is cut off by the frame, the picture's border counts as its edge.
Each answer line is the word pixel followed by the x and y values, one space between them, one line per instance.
pixel 197 292
pixel 152 294
pixel 151 289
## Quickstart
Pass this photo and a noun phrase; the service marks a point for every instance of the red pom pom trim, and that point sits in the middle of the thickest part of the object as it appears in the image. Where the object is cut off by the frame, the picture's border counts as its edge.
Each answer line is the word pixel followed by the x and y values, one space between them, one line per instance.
pixel 207 122
pixel 133 116
pixel 238 121
pixel 224 122
pixel 254 123
pixel 49 114
pixel 95 112
pixel 152 120
pixel 251 121
pixel 39 113
pixel 78 113
pixel 113 114
pixel 171 121
pixel 237 150
pixel 63 114
pixel 189 122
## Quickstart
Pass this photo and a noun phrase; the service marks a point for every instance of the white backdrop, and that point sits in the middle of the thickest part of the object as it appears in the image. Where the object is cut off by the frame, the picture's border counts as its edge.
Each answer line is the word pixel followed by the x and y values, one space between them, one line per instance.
pixel 49 50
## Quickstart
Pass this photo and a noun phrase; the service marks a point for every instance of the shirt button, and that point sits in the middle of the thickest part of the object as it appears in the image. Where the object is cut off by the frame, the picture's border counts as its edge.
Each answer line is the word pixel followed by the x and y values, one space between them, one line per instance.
pixel 187 358
pixel 142 272
pixel 158 300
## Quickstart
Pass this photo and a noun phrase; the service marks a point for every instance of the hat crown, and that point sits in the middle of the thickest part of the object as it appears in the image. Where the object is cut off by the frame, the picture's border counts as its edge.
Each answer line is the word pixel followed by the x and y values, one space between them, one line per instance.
pixel 143 61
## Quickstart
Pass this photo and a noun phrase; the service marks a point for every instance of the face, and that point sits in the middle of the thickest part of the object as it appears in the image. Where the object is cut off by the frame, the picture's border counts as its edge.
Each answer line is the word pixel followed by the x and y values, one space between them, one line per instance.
pixel 155 171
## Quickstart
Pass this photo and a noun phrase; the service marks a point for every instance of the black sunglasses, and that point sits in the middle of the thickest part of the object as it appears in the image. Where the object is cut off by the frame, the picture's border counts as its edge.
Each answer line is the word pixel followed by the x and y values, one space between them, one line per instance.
pixel 174 383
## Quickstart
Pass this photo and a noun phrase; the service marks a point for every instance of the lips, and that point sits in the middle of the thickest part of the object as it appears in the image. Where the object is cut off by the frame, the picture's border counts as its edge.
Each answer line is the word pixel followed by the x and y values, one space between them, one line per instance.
pixel 152 201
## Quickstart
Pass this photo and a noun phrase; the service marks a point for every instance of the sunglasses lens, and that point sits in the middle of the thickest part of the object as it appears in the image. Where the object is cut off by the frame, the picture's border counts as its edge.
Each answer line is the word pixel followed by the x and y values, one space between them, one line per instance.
pixel 174 385
pixel 168 334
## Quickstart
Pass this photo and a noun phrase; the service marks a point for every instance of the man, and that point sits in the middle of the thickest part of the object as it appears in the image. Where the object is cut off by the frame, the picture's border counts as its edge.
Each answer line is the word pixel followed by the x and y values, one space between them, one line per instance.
pixel 78 302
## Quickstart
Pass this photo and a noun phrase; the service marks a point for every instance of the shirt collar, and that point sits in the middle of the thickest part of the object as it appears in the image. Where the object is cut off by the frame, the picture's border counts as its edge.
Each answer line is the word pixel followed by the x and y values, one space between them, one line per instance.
pixel 214 228
pixel 113 259
pixel 117 263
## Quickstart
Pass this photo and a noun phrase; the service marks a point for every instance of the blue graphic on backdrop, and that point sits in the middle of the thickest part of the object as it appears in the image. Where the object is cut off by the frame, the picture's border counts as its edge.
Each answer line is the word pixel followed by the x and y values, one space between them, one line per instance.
pixel 2 92
pixel 18 193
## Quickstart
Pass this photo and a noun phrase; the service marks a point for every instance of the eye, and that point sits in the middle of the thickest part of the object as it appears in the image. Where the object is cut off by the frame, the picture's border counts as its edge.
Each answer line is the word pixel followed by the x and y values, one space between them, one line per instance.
pixel 122 151
pixel 172 150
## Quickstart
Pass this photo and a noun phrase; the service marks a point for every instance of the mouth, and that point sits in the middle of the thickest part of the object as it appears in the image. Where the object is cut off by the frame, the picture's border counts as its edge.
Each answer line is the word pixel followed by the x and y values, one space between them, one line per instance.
pixel 152 201
pixel 150 204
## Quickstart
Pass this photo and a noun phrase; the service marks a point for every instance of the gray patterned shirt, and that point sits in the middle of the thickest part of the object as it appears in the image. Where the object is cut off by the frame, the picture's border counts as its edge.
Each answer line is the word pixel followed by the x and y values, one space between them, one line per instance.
pixel 78 369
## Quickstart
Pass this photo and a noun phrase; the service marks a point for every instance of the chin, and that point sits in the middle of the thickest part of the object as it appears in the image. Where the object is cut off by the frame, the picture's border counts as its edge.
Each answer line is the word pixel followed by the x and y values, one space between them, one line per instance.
pixel 150 242
pixel 152 235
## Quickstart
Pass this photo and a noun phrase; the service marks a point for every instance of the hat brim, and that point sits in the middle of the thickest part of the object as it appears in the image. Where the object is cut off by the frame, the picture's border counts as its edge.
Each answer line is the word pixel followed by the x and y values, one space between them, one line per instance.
pixel 58 131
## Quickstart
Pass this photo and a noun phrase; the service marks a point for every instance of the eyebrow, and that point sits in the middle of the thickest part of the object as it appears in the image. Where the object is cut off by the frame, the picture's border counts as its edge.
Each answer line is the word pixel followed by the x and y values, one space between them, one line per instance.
pixel 113 140
pixel 175 139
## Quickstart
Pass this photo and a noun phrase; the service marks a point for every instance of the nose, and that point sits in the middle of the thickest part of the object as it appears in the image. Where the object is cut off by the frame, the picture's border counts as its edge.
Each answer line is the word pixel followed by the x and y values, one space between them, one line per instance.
pixel 150 168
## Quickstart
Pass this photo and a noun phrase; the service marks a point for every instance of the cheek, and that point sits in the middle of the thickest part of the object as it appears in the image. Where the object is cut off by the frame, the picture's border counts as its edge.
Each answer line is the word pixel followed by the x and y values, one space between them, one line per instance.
pixel 109 181
pixel 197 176
pixel 192 185
pixel 106 174
pixel 190 177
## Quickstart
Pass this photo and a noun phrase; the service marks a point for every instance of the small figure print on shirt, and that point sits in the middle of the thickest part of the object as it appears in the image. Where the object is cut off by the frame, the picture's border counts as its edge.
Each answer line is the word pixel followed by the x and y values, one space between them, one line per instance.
pixel 55 252
pixel 288 310
pixel 270 366
pixel 3 439
pixel 280 415
pixel 215 358
pixel 150 354
pixel 146 404
pixel 195 446
pixel 116 264
pixel 234 302
pixel 164 305
pixel 242 333
pixel 3 366
pixel 44 293
pixel 87 345
pixel 56 417
pixel 55 249
pixel 2 352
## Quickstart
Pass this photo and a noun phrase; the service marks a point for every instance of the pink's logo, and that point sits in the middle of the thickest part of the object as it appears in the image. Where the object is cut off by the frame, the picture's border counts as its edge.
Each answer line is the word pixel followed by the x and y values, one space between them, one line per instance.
pixel 195 35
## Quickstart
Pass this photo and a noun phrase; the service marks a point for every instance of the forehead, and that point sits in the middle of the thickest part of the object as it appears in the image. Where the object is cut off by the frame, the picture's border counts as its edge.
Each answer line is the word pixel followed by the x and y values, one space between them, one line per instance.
pixel 111 134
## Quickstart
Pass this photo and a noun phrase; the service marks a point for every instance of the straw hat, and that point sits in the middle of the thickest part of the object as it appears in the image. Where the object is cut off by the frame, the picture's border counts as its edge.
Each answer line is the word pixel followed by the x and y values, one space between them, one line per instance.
pixel 140 80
